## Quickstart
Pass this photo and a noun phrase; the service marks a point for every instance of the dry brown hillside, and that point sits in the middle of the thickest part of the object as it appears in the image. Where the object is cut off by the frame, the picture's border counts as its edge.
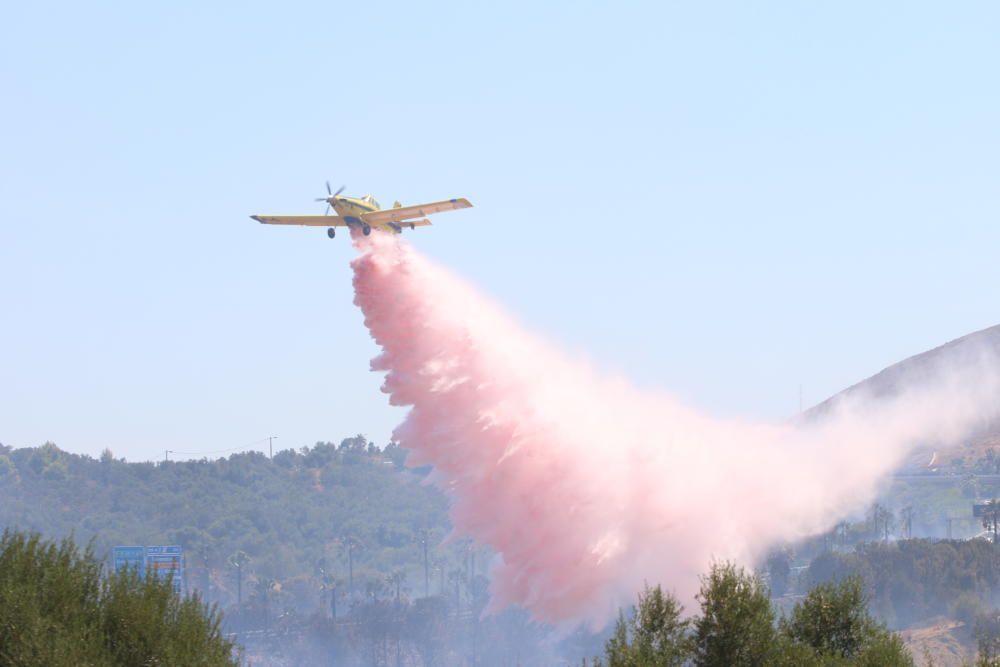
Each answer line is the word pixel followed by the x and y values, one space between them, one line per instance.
pixel 942 642
pixel 927 369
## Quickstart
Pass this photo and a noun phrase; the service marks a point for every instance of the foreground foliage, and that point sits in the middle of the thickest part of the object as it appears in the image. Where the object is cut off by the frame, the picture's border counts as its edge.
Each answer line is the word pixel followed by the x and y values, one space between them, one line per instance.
pixel 57 609
pixel 831 627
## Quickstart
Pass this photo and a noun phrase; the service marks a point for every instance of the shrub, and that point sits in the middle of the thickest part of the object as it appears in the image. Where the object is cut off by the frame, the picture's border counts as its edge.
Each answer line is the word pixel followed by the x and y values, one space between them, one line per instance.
pixel 58 609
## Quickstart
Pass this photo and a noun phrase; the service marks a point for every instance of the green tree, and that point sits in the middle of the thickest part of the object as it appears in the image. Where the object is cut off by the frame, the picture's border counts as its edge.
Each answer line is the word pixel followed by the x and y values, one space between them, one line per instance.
pixel 913 580
pixel 736 625
pixel 655 635
pixel 885 649
pixel 987 634
pixel 779 569
pixel 426 625
pixel 57 609
pixel 831 627
pixel 833 620
pixel 6 466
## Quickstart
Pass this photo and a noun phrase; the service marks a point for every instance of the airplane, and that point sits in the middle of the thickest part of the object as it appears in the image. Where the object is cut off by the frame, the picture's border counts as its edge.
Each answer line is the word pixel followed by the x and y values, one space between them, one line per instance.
pixel 364 213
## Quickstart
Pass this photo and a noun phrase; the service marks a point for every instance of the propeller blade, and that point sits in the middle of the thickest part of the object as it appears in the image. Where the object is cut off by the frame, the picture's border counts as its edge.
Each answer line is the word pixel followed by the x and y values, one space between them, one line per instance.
pixel 339 190
pixel 327 209
pixel 328 189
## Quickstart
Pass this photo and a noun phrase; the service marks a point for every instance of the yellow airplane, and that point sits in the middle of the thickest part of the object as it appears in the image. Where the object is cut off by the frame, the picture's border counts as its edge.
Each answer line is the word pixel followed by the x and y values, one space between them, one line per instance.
pixel 365 214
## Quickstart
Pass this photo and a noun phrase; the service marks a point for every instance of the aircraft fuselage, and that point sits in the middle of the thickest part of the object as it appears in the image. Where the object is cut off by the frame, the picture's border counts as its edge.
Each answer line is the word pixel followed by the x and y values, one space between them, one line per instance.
pixel 351 209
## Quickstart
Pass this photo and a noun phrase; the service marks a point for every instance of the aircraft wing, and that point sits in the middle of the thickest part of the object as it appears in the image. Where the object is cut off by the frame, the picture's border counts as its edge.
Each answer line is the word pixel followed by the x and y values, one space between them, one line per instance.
pixel 306 220
pixel 406 224
pixel 420 210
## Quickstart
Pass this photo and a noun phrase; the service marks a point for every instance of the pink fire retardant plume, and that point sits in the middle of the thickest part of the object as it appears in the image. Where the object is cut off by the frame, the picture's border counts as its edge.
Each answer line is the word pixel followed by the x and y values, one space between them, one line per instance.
pixel 587 487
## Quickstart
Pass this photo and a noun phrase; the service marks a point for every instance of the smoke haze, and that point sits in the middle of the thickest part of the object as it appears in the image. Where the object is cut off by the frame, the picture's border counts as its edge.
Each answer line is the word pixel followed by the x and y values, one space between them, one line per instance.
pixel 587 487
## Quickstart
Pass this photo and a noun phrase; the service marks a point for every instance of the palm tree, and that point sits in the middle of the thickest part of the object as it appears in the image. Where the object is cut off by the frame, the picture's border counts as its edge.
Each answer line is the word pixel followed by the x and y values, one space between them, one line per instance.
pixel 456 577
pixel 239 561
pixel 881 520
pixel 439 564
pixel 262 595
pixel 423 539
pixel 906 517
pixel 843 530
pixel 395 580
pixel 328 583
pixel 349 545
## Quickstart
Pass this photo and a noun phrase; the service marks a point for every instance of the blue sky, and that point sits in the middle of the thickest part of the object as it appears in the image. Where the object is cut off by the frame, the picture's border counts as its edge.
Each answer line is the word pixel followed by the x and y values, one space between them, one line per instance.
pixel 723 201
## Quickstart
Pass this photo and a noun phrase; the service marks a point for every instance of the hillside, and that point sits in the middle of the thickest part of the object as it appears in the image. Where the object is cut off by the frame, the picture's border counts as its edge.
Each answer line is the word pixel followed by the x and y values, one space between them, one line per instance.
pixel 920 369
pixel 926 369
pixel 287 514
pixel 303 520
pixel 941 642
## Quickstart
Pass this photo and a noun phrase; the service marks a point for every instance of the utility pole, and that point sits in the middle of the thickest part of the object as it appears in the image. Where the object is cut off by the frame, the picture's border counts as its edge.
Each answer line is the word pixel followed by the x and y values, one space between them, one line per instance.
pixel 270 445
pixel 166 455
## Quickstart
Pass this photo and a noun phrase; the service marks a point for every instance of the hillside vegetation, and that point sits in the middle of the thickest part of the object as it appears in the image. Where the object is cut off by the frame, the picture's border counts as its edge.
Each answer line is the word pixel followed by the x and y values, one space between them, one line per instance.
pixel 299 521
pixel 913 581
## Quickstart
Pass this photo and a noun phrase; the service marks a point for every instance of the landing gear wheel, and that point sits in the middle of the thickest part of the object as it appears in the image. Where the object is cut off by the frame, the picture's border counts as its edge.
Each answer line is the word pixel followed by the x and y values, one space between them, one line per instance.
pixel 366 230
pixel 331 232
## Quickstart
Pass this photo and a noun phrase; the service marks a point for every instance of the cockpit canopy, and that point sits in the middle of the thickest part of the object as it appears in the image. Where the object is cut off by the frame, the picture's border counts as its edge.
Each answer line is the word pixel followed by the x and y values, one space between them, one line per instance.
pixel 370 200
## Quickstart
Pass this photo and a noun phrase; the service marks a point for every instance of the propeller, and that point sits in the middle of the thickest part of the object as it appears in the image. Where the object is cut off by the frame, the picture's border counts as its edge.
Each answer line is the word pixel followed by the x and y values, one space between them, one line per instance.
pixel 331 196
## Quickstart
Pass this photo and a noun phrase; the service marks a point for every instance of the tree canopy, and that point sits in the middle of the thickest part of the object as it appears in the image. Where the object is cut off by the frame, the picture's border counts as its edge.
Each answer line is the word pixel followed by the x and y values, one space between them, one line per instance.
pixel 327 504
pixel 58 608
pixel 736 627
